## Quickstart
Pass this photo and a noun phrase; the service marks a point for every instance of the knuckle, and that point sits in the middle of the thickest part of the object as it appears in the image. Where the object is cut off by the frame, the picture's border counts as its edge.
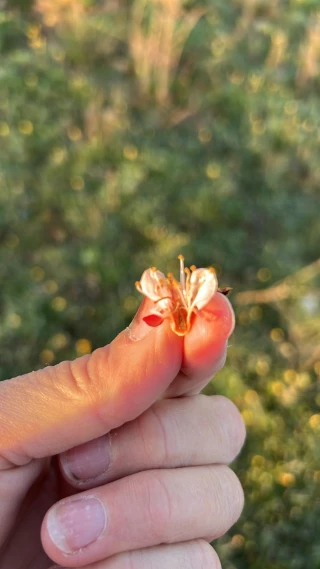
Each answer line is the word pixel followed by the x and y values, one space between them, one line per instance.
pixel 204 556
pixel 240 498
pixel 80 381
pixel 83 378
pixel 154 436
pixel 157 504
pixel 226 500
pixel 232 424
pixel 234 494
pixel 70 382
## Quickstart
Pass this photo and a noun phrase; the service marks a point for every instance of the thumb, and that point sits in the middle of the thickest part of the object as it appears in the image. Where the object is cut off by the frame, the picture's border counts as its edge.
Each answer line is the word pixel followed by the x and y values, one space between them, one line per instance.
pixel 49 411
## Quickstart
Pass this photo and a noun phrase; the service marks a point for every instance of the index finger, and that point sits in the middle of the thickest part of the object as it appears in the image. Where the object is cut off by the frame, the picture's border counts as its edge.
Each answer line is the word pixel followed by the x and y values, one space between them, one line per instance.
pixel 51 410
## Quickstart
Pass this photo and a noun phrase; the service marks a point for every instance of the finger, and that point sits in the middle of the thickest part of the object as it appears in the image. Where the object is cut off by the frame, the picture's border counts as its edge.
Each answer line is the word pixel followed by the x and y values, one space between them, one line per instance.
pixel 205 347
pixel 22 549
pixel 189 431
pixel 187 555
pixel 50 410
pixel 142 510
pixel 12 494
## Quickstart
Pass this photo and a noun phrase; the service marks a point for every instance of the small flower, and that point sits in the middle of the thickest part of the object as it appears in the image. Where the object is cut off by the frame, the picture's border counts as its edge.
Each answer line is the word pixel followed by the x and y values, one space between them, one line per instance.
pixel 178 300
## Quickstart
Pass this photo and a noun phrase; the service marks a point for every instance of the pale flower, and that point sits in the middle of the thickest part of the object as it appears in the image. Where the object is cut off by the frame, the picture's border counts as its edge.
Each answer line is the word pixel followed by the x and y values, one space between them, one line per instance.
pixel 178 300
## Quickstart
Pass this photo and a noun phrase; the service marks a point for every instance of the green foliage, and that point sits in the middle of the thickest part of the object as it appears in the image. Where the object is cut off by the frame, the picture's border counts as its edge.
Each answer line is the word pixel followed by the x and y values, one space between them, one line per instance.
pixel 122 146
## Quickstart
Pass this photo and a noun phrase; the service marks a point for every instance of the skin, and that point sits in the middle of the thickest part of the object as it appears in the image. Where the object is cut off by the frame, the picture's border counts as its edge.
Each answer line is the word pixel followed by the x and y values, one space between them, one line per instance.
pixel 168 490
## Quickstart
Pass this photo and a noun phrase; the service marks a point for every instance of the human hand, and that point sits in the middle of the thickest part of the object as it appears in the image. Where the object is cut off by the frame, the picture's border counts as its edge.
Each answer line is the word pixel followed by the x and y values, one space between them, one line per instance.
pixel 167 491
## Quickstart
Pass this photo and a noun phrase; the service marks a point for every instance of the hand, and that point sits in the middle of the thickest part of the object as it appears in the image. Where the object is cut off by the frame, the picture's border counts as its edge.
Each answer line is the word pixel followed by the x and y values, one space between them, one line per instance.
pixel 141 473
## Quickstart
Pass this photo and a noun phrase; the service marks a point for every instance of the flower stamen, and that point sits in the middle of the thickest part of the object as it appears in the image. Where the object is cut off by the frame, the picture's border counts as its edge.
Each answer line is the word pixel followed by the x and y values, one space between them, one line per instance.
pixel 182 278
pixel 178 300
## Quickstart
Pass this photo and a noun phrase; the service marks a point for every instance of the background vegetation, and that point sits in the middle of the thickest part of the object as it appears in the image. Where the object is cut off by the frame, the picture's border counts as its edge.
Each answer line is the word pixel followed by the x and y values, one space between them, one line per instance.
pixel 131 131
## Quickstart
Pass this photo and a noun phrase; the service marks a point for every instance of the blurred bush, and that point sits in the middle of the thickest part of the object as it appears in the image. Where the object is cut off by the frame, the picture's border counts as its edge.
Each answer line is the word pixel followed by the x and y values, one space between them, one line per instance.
pixel 131 131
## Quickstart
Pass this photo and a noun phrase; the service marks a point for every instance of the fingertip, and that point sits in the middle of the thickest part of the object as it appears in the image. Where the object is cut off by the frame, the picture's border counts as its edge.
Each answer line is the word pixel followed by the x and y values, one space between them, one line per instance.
pixel 144 360
pixel 213 325
pixel 219 316
pixel 139 328
pixel 205 347
pixel 231 318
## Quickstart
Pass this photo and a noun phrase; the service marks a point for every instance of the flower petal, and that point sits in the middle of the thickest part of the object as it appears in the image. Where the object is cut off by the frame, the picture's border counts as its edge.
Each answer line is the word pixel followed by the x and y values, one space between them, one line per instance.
pixel 153 285
pixel 202 287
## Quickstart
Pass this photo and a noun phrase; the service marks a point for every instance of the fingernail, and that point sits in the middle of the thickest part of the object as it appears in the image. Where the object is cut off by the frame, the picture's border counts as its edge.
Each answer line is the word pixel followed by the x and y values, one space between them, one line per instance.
pixel 74 524
pixel 138 328
pixel 88 460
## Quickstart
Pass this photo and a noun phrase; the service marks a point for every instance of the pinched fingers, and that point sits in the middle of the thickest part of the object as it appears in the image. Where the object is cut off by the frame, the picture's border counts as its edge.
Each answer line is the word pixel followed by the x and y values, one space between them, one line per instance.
pixel 197 554
pixel 142 510
pixel 190 431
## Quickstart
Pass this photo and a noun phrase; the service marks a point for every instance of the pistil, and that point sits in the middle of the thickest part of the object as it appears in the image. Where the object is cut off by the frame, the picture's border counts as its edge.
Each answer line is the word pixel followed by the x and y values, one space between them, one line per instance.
pixel 182 274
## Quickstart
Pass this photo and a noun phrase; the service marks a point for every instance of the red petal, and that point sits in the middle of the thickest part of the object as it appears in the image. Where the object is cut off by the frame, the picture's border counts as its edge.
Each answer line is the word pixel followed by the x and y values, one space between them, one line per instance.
pixel 153 320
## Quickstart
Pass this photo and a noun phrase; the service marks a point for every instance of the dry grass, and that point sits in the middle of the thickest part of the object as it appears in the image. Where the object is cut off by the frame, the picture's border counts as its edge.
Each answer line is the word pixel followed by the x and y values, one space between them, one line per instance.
pixel 308 67
pixel 157 35
pixel 57 11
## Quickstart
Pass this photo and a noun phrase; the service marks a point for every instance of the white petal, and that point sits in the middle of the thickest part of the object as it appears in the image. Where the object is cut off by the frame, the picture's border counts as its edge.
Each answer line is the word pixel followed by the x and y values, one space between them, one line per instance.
pixel 202 287
pixel 153 285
